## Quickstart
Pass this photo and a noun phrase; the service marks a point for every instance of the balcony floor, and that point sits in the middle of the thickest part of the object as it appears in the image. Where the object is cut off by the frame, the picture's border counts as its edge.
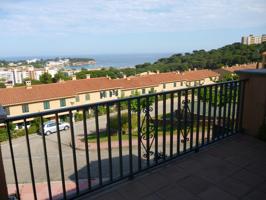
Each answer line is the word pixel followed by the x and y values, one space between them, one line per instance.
pixel 234 168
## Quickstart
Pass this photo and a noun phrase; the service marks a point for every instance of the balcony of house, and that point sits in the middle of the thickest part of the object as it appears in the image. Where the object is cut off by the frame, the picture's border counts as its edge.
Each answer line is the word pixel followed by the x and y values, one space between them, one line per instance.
pixel 191 143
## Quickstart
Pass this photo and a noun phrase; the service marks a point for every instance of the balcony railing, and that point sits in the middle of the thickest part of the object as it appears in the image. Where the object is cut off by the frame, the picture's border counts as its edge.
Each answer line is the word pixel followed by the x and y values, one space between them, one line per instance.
pixel 110 141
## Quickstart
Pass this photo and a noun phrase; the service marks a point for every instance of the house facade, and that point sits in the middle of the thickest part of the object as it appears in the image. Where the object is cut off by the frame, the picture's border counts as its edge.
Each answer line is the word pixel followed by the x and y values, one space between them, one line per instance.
pixel 38 98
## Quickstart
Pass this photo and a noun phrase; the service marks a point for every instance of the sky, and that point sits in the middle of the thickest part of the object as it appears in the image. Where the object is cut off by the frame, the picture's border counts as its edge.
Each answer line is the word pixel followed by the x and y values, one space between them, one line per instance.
pixel 87 27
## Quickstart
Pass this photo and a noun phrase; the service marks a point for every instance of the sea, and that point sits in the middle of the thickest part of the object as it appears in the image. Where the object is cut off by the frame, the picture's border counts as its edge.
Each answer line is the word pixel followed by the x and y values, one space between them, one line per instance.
pixel 107 60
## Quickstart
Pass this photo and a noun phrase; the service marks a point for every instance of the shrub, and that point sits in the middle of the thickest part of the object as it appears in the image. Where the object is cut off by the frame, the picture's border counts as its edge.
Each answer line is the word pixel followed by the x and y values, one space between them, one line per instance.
pixel 124 123
pixel 78 116
pixel 3 134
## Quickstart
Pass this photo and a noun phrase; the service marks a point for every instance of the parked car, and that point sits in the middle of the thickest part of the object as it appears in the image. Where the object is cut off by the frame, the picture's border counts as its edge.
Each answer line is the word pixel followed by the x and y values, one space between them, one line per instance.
pixel 50 127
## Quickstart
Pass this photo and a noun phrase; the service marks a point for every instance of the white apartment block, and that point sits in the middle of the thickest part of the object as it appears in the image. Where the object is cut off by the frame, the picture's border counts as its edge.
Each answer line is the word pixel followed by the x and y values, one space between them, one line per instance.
pixel 18 74
pixel 251 39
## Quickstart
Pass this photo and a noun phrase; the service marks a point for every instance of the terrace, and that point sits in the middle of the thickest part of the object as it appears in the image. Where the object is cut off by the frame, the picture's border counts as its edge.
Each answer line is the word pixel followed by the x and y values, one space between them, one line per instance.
pixel 182 144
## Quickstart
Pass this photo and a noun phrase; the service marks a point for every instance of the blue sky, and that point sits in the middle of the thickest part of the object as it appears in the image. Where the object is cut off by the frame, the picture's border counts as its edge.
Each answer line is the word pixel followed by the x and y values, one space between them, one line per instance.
pixel 82 27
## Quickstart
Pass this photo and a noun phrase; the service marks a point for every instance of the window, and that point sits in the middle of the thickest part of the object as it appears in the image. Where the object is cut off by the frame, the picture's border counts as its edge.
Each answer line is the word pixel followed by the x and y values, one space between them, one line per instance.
pixel 152 90
pixel 143 91
pixel 182 83
pixel 7 110
pixel 25 108
pixel 46 105
pixel 174 84
pixel 77 98
pixel 62 102
pixel 110 93
pixel 102 94
pixel 87 97
pixel 132 92
pixel 164 86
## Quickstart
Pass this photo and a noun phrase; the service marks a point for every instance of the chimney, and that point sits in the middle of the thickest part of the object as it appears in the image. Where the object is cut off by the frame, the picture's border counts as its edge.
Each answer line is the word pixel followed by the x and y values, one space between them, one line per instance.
pixel 195 69
pixel 148 72
pixel 189 69
pixel 28 84
pixel 157 71
pixel 88 76
pixel 178 72
pixel 74 77
pixel 128 78
pixel 124 76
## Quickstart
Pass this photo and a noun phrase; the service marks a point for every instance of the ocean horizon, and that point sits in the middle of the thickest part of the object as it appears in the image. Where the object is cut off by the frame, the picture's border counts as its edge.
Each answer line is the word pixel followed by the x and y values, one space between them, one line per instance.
pixel 105 60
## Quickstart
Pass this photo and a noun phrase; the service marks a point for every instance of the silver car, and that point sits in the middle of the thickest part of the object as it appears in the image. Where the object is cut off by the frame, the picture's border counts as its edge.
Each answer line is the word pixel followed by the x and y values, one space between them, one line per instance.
pixel 50 127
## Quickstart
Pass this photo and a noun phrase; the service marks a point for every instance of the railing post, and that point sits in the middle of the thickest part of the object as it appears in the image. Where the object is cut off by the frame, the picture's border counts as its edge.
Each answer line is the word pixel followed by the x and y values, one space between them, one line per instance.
pixel 253 111
pixel 3 185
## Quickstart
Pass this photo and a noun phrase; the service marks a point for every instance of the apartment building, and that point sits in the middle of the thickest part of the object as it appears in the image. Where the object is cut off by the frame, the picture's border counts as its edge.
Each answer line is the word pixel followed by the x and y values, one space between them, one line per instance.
pixel 37 98
pixel 6 76
pixel 251 39
pixel 18 74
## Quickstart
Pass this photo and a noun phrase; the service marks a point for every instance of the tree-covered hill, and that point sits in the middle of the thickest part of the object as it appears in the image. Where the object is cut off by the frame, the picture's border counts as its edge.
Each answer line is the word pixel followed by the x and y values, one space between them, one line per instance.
pixel 228 55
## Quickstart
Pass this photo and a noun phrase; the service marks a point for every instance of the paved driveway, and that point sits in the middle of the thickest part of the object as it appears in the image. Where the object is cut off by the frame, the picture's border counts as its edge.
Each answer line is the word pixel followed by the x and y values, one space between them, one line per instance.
pixel 37 152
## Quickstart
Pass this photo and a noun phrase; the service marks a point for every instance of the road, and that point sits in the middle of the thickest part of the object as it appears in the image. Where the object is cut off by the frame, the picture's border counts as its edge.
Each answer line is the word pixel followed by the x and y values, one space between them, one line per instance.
pixel 37 153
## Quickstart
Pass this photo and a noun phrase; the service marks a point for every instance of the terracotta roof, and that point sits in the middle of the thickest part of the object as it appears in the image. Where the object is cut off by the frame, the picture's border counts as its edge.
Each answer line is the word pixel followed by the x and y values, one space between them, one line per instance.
pixel 199 75
pixel 240 67
pixel 20 95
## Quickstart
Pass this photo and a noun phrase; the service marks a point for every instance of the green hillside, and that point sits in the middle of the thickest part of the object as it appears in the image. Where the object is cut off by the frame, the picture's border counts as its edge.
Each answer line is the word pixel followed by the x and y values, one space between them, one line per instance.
pixel 228 55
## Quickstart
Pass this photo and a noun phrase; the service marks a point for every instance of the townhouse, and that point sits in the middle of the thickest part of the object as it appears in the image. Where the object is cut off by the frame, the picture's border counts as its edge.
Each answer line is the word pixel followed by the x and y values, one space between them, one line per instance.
pixel 38 98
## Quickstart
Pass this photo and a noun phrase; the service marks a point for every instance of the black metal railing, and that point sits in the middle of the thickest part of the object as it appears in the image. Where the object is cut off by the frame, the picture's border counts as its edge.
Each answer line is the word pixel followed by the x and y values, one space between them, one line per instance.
pixel 109 141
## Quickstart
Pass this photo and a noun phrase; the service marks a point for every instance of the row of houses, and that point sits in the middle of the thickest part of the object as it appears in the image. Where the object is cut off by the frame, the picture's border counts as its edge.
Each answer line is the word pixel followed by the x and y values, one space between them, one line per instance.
pixel 37 98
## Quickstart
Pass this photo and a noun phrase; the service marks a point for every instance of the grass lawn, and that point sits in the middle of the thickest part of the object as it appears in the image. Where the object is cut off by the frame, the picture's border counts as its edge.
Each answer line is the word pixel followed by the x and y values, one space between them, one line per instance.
pixel 92 138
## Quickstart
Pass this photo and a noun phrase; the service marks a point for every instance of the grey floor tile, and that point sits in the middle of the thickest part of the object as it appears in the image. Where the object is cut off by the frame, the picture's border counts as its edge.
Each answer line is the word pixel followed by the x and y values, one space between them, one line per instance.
pixel 216 172
pixel 257 168
pixel 155 181
pixel 134 188
pixel 255 195
pixel 151 197
pixel 214 193
pixel 194 184
pixel 175 192
pixel 248 177
pixel 174 172
pixel 262 187
pixel 114 195
pixel 234 187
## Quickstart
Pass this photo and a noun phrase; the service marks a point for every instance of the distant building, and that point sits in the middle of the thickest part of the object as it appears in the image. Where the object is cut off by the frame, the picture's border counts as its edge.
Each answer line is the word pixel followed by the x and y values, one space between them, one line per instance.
pixel 6 76
pixel 32 61
pixel 17 75
pixel 59 63
pixel 251 39
pixel 263 38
